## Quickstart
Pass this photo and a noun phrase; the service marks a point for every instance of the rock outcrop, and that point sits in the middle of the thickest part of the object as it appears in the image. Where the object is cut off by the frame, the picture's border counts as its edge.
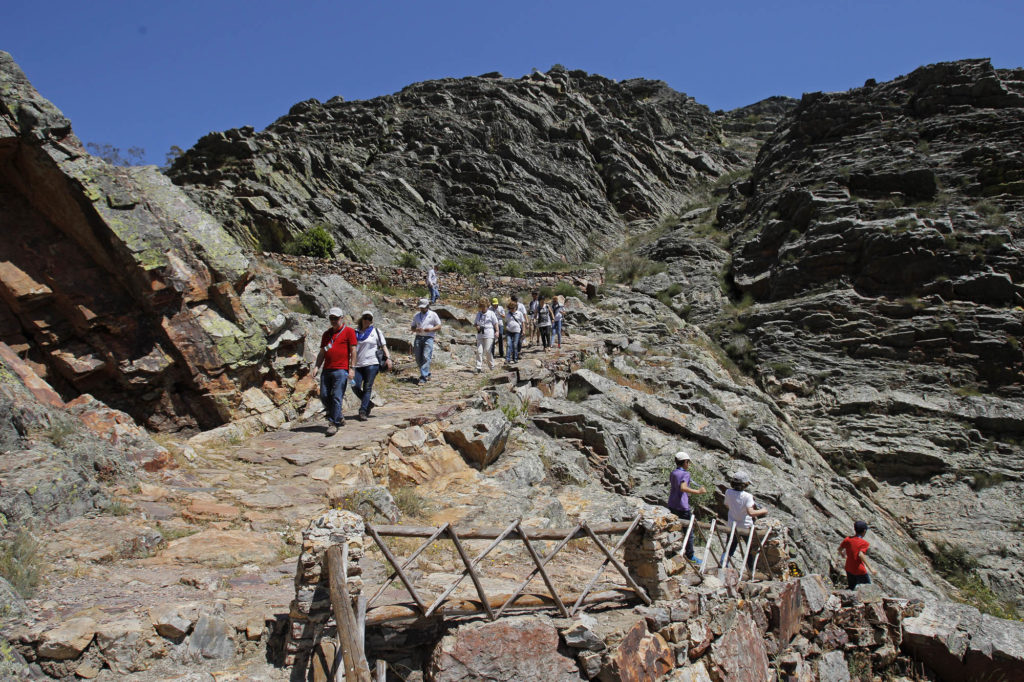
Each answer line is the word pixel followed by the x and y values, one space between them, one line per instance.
pixel 113 282
pixel 548 166
pixel 879 240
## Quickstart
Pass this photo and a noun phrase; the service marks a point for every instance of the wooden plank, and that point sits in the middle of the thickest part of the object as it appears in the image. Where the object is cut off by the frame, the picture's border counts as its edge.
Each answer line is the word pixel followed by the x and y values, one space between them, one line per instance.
pixel 757 557
pixel 616 563
pixel 707 547
pixel 540 567
pixel 356 669
pixel 726 559
pixel 569 536
pixel 382 670
pixel 407 563
pixel 746 553
pixel 600 569
pixel 394 562
pixel 526 603
pixel 492 533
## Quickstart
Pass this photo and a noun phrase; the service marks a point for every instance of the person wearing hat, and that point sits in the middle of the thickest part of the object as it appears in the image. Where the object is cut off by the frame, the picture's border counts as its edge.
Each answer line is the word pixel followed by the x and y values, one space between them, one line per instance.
pixel 742 510
pixel 337 352
pixel 369 351
pixel 486 329
pixel 679 491
pixel 498 349
pixel 857 570
pixel 425 324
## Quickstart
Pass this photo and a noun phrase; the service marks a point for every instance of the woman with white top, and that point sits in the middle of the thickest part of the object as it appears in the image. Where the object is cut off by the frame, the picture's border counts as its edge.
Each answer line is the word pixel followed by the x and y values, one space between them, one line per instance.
pixel 544 320
pixel 742 510
pixel 515 322
pixel 368 362
pixel 557 310
pixel 486 329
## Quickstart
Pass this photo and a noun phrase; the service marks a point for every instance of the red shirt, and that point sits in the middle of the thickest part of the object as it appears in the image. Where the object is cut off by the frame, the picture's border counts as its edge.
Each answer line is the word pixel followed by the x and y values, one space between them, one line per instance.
pixel 336 357
pixel 854 546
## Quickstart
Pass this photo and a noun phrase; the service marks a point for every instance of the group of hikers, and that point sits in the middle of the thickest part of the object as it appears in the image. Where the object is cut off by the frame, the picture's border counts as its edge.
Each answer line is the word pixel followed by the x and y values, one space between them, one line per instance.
pixel 742 510
pixel 354 356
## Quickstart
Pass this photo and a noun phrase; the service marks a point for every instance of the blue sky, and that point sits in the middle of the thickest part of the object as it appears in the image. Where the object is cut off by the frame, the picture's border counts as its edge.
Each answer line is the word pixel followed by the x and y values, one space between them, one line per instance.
pixel 156 73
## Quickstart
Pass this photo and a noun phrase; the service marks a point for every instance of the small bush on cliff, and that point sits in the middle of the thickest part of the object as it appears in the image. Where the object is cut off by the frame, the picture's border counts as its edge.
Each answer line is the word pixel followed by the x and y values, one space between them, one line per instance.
pixel 407 259
pixel 464 265
pixel 957 565
pixel 20 563
pixel 315 242
pixel 512 269
pixel 566 289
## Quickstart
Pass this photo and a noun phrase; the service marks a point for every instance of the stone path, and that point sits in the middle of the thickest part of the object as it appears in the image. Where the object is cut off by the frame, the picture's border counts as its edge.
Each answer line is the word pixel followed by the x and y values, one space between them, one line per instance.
pixel 232 519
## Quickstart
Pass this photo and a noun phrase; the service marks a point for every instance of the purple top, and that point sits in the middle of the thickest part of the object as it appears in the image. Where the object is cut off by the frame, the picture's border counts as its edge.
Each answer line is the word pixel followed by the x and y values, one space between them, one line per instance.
pixel 677 499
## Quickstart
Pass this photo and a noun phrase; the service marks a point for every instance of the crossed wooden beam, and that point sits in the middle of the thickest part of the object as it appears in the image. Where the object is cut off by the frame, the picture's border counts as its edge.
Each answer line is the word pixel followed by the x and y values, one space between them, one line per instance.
pixel 494 608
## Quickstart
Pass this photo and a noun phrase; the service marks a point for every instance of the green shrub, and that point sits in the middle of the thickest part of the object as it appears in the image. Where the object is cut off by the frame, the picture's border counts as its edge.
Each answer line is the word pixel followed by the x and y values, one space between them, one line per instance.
pixel 577 394
pixel 545 292
pixel 782 369
pixel 595 364
pixel 407 259
pixel 464 265
pixel 566 289
pixel 362 251
pixel 21 563
pixel 315 242
pixel 410 502
pixel 512 269
pixel 957 565
pixel 628 268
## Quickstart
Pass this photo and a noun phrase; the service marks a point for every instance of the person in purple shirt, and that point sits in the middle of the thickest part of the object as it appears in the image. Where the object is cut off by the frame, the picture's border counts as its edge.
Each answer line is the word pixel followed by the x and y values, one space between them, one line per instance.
pixel 679 492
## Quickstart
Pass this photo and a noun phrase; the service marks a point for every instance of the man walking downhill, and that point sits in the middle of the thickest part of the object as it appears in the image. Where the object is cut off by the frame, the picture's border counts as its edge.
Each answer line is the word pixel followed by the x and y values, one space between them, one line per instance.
pixel 498 349
pixel 679 491
pixel 337 353
pixel 854 547
pixel 531 314
pixel 435 293
pixel 425 324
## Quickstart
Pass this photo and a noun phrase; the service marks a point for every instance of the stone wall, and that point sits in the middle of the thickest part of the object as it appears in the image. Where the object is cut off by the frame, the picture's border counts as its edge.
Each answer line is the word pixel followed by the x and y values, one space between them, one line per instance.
pixel 310 611
pixel 451 284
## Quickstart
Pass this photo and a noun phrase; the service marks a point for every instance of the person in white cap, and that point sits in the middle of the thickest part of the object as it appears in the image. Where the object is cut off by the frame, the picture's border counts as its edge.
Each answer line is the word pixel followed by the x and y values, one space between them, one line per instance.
pixel 371 357
pixel 679 491
pixel 742 510
pixel 425 324
pixel 435 293
pixel 486 323
pixel 337 352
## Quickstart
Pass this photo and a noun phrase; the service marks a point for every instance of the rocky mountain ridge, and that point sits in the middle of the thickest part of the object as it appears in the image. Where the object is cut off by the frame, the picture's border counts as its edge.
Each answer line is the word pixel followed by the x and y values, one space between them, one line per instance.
pixel 548 166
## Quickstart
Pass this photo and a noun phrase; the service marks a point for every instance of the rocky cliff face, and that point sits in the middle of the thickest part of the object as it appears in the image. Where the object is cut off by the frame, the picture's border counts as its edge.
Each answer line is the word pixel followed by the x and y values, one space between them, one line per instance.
pixel 549 165
pixel 114 283
pixel 878 242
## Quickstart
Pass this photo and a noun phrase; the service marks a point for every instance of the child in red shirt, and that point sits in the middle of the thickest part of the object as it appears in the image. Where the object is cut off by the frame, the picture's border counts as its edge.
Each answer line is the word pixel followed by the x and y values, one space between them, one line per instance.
pixel 857 571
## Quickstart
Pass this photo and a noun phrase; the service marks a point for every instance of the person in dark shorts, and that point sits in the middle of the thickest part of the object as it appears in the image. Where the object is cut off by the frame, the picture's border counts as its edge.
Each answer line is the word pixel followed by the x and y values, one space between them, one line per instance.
pixel 679 491
pixel 854 548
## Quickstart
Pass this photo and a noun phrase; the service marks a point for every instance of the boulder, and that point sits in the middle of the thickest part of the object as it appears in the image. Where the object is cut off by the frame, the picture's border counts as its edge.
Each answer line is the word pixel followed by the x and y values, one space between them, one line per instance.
pixel 640 655
pixel 510 649
pixel 67 640
pixel 211 638
pixel 122 645
pixel 581 634
pixel 480 437
pixel 172 621
pixel 739 654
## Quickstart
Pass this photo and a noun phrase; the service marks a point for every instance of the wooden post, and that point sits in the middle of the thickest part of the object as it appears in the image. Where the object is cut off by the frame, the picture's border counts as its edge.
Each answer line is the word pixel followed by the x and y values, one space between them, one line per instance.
pixel 707 547
pixel 470 570
pixel 382 670
pixel 746 552
pixel 615 562
pixel 728 543
pixel 515 595
pixel 540 567
pixel 600 569
pixel 356 669
pixel 757 557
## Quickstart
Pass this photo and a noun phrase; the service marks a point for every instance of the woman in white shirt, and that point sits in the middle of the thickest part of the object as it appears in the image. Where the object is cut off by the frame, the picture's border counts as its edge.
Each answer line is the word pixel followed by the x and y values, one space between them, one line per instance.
pixel 370 342
pixel 742 510
pixel 486 329
pixel 515 322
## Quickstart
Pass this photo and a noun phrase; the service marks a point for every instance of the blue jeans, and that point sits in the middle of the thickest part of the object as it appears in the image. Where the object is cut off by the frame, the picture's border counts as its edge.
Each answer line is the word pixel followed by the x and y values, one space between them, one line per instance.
pixel 424 349
pixel 435 293
pixel 556 329
pixel 515 340
pixel 362 385
pixel 332 391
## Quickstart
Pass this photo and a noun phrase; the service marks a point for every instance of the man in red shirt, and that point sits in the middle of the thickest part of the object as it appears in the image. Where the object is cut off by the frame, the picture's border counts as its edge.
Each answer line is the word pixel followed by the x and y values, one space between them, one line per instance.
pixel 855 547
pixel 337 353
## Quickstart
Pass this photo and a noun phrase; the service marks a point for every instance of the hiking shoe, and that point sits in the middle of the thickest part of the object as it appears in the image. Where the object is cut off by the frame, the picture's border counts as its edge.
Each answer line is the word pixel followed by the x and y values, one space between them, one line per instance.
pixel 421 381
pixel 332 429
pixel 694 560
pixel 361 417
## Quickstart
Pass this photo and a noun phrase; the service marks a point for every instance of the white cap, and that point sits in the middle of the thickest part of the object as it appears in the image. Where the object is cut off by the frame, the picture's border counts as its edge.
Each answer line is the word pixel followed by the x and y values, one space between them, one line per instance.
pixel 335 312
pixel 366 313
pixel 739 476
pixel 423 303
pixel 682 456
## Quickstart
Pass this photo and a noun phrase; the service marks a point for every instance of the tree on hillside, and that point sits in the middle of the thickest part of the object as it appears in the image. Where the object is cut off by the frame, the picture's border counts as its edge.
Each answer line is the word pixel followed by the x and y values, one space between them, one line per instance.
pixel 134 156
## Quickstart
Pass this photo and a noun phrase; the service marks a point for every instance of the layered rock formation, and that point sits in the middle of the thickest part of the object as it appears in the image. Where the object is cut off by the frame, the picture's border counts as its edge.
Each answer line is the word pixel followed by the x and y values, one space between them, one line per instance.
pixel 549 165
pixel 879 238
pixel 114 283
